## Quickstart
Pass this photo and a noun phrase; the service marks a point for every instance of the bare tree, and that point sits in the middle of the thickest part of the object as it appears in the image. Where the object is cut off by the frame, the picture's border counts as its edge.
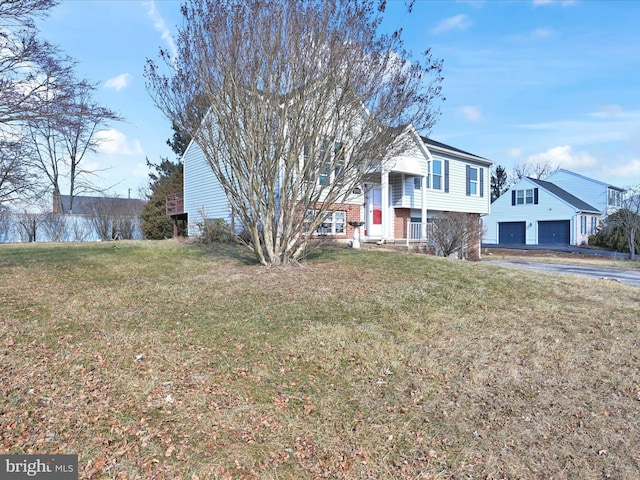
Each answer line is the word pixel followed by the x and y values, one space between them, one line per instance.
pixel 84 118
pixel 114 218
pixel 302 99
pixel 5 224
pixel 81 228
pixel 23 59
pixel 55 226
pixel 627 218
pixel 61 141
pixel 30 69
pixel 15 178
pixel 457 233
pixel 537 169
pixel 38 91
pixel 28 224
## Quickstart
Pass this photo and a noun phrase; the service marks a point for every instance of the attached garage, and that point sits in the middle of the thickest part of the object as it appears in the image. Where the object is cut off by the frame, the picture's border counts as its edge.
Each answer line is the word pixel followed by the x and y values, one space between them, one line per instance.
pixel 512 232
pixel 557 232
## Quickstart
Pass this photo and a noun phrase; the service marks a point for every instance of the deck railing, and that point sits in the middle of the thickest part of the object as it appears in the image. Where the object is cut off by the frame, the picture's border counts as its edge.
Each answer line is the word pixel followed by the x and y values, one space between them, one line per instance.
pixel 174 204
pixel 415 233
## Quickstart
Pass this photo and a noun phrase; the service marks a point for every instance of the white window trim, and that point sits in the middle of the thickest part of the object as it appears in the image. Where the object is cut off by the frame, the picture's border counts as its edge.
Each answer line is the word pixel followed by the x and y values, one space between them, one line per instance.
pixel 329 225
pixel 522 195
pixel 475 182
pixel 432 175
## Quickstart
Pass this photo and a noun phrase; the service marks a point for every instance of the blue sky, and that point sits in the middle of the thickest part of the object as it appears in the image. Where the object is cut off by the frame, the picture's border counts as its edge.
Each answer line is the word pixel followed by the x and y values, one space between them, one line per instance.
pixel 537 80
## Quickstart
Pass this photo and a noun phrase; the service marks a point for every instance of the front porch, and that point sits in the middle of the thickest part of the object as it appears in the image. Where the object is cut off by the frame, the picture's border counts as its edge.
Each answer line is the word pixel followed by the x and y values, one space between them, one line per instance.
pixel 395 207
pixel 406 233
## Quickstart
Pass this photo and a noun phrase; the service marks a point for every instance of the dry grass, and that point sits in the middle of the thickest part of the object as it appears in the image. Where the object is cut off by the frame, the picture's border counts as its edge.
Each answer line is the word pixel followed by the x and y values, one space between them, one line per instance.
pixel 165 360
pixel 548 256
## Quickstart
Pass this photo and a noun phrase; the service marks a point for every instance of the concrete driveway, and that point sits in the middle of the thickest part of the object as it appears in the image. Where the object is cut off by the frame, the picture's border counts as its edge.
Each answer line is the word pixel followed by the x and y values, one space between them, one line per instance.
pixel 629 277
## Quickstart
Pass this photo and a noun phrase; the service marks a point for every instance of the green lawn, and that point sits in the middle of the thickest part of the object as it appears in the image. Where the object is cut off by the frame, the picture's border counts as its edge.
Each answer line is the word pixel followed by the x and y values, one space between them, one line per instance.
pixel 165 360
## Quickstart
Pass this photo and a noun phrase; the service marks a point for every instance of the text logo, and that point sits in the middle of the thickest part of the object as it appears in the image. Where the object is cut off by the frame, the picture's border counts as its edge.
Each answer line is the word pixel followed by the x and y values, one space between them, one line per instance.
pixel 44 467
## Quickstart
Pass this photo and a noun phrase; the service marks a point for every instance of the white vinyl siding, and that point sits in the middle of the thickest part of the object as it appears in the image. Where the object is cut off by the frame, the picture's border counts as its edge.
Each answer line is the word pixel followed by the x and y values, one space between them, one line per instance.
pixel 548 208
pixel 204 197
pixel 456 199
pixel 593 192
pixel 404 193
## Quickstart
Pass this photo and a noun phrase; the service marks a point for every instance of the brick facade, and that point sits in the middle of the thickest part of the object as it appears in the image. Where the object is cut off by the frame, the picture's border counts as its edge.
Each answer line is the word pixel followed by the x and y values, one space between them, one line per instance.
pixel 401 217
pixel 352 215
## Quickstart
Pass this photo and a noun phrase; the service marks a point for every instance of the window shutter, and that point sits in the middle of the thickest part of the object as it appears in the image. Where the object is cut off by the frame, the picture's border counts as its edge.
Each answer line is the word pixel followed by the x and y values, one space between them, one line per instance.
pixel 513 197
pixel 468 180
pixel 446 176
pixel 482 182
pixel 535 196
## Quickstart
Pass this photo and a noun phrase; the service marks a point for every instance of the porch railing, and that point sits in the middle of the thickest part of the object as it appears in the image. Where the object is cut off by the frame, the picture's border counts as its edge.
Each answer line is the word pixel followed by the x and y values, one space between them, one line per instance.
pixel 174 204
pixel 415 233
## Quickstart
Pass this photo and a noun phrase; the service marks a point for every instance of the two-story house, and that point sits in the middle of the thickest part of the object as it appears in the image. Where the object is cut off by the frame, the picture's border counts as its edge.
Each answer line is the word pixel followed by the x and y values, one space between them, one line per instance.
pixel 564 209
pixel 396 202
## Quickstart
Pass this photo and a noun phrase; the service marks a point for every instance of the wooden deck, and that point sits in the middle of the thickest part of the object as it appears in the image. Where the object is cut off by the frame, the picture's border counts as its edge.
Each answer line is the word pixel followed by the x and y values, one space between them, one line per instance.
pixel 174 204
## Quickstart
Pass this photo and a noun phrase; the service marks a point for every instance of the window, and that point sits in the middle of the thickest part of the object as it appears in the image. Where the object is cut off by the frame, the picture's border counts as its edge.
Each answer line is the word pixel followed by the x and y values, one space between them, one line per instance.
pixel 473 181
pixel 524 197
pixel 583 224
pixel 417 183
pixel 614 198
pixel 333 223
pixel 436 174
pixel 594 224
pixel 331 162
pixel 528 196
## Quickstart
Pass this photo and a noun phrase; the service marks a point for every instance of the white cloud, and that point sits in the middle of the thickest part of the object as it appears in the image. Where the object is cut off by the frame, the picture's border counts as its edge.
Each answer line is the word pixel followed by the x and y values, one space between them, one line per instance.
pixel 161 26
pixel 614 111
pixel 471 113
pixel 630 169
pixel 564 157
pixel 118 83
pixel 515 152
pixel 114 142
pixel 543 33
pixel 609 124
pixel 459 22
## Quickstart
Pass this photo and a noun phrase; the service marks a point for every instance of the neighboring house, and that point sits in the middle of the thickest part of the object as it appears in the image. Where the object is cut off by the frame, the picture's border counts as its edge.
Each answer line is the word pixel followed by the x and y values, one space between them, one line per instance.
pixel 562 210
pixel 603 196
pixel 396 202
pixel 86 205
pixel 95 218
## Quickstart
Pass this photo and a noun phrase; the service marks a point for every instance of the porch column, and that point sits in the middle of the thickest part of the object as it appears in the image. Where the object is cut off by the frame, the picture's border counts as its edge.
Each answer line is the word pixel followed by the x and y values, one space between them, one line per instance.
pixel 384 187
pixel 423 219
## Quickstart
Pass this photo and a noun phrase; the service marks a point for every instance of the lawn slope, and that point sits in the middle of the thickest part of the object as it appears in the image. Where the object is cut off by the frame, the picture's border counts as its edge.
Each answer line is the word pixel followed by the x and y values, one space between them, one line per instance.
pixel 161 360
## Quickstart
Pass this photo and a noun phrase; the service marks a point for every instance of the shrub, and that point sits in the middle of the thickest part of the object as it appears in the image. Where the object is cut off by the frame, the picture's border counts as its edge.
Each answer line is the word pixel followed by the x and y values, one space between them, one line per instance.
pixel 215 231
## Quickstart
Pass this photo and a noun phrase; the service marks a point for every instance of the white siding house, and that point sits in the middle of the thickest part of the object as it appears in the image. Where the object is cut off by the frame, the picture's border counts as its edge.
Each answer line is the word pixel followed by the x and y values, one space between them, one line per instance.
pixel 606 198
pixel 537 212
pixel 396 202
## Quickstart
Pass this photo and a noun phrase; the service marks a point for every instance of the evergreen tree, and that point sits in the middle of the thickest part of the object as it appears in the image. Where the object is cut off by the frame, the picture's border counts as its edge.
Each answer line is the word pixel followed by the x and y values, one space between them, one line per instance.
pixel 612 235
pixel 499 182
pixel 166 179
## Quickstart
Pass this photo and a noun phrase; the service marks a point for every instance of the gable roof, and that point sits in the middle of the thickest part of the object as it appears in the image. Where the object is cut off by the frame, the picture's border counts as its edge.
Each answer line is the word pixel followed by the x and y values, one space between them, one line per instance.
pixel 85 205
pixel 444 148
pixel 569 172
pixel 565 196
